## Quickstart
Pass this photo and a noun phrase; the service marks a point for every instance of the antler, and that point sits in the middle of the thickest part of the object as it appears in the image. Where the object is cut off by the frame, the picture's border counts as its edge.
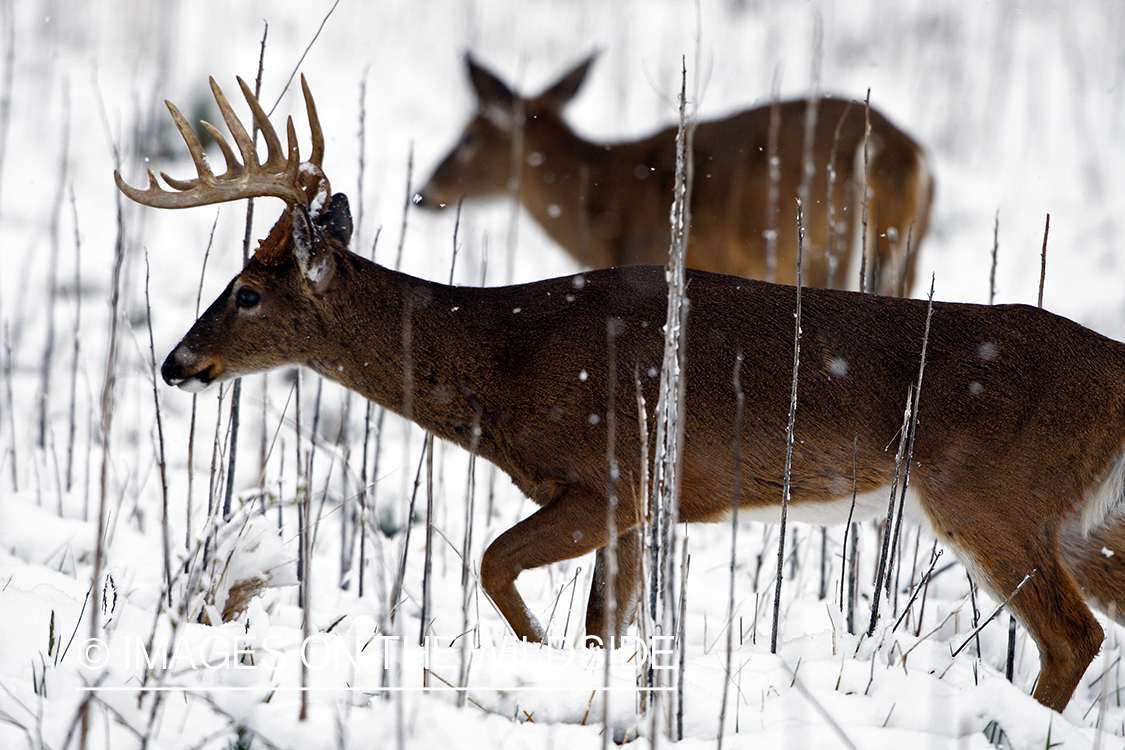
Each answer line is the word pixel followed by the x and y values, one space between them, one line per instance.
pixel 280 175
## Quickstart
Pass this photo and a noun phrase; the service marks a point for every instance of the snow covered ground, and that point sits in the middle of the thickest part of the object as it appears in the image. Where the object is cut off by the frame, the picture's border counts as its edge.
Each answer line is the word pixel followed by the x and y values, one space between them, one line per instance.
pixel 1020 103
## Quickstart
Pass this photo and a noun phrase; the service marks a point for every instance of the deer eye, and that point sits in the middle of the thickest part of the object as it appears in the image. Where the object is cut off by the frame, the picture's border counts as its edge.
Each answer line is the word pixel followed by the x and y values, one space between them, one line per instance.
pixel 246 298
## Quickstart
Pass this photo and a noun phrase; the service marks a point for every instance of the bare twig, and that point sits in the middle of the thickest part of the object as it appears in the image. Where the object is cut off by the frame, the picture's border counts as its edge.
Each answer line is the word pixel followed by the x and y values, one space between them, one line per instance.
pixel 396 592
pixel 914 417
pixel 362 138
pixel 812 103
pixel 835 240
pixel 935 553
pixel 863 223
pixel 456 227
pixel 995 254
pixel 6 83
pixel 789 433
pixel 1043 262
pixel 820 709
pixel 236 392
pixel 736 447
pixel 72 414
pixel 995 612
pixel 467 579
pixel 902 462
pixel 610 519
pixel 52 274
pixel 107 401
pixel 428 547
pixel 680 642
pixel 304 54
pixel 195 398
pixel 365 526
pixel 304 511
pixel 773 204
pixel 1010 662
pixel 515 180
pixel 664 498
pixel 9 406
pixel 406 208
pixel 845 561
pixel 160 460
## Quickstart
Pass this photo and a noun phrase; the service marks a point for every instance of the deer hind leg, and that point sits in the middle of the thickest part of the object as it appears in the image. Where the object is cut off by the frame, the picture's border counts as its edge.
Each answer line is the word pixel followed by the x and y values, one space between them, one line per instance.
pixel 627 589
pixel 571 525
pixel 1066 632
pixel 1097 562
pixel 1001 551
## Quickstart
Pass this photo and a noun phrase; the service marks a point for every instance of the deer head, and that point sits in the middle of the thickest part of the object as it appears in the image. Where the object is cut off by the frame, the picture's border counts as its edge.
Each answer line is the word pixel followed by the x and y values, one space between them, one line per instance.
pixel 267 315
pixel 485 160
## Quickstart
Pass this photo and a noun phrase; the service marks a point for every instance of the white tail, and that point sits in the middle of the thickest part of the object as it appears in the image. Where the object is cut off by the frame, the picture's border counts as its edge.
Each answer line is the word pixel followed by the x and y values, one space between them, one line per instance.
pixel 1017 461
pixel 608 204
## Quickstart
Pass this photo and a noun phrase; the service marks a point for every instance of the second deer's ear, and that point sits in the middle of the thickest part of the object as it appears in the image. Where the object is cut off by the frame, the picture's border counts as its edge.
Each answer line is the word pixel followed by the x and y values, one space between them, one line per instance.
pixel 491 91
pixel 318 264
pixel 564 89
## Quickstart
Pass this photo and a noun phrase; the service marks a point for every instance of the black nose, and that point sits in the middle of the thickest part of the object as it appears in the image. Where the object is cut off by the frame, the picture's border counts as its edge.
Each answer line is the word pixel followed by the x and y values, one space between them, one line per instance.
pixel 172 371
pixel 427 203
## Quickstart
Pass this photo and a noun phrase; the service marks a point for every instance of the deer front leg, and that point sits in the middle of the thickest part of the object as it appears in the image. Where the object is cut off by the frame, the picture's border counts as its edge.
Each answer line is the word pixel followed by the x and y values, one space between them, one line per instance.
pixel 627 589
pixel 569 526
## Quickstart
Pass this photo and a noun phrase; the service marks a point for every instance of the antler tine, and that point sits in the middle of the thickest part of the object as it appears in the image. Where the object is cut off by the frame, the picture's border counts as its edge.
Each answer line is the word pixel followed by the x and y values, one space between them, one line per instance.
pixel 234 168
pixel 241 138
pixel 277 177
pixel 275 156
pixel 157 197
pixel 149 196
pixel 317 156
pixel 293 166
pixel 228 153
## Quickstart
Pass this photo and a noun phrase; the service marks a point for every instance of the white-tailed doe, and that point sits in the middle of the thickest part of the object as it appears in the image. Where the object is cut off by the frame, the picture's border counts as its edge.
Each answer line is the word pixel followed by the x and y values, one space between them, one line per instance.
pixel 608 204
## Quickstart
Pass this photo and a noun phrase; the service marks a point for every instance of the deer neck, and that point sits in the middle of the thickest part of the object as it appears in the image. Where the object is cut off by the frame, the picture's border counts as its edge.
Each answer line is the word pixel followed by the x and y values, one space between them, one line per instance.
pixel 388 338
pixel 561 187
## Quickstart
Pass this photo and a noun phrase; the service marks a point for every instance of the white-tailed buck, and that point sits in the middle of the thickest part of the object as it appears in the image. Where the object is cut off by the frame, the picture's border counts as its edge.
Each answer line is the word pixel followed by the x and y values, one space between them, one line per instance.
pixel 608 204
pixel 1017 460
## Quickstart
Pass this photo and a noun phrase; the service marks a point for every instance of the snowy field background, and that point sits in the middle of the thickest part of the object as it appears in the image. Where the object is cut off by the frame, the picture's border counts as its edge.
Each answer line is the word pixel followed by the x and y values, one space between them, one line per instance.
pixel 1020 104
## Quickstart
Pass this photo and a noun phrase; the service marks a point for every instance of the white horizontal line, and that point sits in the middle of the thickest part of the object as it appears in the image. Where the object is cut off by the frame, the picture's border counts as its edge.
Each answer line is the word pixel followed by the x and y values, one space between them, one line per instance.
pixel 434 688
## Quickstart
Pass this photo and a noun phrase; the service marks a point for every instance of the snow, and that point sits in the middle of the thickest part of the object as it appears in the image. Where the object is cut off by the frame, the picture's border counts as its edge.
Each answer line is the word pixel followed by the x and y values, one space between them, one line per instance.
pixel 1019 103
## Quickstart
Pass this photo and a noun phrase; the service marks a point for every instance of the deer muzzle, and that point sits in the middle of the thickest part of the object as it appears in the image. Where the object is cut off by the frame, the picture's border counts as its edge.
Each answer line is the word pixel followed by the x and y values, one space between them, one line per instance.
pixel 431 198
pixel 185 369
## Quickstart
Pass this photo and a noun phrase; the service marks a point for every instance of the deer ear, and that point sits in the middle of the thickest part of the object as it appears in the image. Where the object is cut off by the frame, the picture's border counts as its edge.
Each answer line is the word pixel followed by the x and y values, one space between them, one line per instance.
pixel 564 89
pixel 317 264
pixel 491 91
pixel 337 220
